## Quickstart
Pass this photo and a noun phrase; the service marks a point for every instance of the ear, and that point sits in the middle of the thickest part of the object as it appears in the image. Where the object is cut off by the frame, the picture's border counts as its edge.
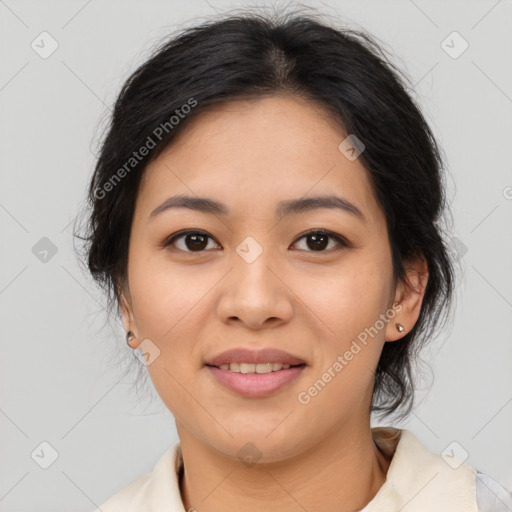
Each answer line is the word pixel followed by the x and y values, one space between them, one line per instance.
pixel 126 308
pixel 409 294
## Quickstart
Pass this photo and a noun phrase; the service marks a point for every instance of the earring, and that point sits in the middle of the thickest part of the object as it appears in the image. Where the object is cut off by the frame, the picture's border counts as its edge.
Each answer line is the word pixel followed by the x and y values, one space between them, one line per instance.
pixel 400 327
pixel 129 338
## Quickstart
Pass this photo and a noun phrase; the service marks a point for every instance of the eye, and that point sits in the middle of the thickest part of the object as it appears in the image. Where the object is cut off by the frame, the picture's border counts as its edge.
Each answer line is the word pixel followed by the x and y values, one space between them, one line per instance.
pixel 318 240
pixel 197 241
pixel 193 240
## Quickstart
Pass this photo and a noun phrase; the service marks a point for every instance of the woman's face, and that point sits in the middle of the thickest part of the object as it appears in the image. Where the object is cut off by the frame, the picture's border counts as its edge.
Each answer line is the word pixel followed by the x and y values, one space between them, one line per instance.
pixel 257 280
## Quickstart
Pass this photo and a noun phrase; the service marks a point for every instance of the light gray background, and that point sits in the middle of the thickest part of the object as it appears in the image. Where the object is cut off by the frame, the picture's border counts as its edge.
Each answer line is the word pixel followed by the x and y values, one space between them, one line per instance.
pixel 61 381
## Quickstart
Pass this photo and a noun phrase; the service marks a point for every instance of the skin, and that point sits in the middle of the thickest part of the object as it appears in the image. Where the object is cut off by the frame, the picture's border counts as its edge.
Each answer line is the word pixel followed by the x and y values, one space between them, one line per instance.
pixel 194 305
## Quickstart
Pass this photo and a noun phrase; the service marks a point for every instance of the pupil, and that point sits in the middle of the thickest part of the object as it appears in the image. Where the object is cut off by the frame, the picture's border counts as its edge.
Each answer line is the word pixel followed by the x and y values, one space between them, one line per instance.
pixel 199 242
pixel 316 245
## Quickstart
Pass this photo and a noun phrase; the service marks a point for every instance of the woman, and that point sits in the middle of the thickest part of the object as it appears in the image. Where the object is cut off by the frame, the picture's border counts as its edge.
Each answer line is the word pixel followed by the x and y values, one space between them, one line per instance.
pixel 266 215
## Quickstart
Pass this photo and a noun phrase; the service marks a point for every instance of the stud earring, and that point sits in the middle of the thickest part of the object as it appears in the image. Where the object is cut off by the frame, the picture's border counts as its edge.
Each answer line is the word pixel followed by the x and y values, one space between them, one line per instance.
pixel 129 338
pixel 400 327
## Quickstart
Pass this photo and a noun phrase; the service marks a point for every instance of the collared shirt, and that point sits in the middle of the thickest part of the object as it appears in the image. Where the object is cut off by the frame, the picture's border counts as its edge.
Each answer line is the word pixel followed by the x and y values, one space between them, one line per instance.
pixel 416 481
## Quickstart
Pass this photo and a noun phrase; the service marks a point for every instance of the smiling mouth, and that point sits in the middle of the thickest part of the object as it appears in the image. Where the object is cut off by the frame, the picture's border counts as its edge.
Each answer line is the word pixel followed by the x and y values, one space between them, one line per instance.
pixel 255 368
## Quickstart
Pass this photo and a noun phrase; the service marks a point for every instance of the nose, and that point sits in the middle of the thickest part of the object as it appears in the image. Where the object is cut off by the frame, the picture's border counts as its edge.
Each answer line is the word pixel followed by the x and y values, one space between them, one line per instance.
pixel 255 294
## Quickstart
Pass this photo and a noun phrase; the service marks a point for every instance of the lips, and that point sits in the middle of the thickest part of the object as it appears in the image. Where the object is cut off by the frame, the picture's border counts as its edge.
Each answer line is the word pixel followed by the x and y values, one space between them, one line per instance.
pixel 268 355
pixel 256 385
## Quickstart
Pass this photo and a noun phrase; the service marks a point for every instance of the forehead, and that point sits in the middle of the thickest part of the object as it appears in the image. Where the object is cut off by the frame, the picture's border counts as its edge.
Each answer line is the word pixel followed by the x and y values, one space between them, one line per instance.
pixel 252 154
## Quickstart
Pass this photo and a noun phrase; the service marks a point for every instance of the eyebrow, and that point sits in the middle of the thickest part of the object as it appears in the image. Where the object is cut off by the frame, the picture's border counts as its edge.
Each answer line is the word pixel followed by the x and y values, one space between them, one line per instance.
pixel 292 206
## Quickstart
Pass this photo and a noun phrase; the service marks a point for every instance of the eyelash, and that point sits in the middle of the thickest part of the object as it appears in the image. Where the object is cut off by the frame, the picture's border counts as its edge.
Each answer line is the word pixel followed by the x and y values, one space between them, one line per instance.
pixel 343 242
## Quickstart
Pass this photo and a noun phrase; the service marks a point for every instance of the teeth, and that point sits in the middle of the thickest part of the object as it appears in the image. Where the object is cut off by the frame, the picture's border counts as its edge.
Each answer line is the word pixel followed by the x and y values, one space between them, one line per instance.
pixel 254 368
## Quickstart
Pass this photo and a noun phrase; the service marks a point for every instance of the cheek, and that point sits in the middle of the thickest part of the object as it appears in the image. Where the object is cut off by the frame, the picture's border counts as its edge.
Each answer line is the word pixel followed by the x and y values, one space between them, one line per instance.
pixel 347 305
pixel 166 305
pixel 166 296
pixel 347 312
pixel 346 300
pixel 169 304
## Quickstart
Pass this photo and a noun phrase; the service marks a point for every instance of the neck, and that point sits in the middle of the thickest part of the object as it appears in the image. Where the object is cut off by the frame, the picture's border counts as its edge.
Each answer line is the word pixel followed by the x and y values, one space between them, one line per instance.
pixel 345 468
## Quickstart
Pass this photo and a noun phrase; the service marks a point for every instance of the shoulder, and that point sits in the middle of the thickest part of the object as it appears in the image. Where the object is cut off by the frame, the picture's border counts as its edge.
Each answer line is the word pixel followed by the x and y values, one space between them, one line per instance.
pixel 153 490
pixel 123 499
pixel 492 496
pixel 420 480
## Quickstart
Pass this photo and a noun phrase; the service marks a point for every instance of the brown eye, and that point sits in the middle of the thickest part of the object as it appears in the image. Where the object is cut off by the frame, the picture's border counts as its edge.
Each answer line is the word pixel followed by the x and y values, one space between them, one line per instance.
pixel 190 241
pixel 318 240
pixel 197 241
